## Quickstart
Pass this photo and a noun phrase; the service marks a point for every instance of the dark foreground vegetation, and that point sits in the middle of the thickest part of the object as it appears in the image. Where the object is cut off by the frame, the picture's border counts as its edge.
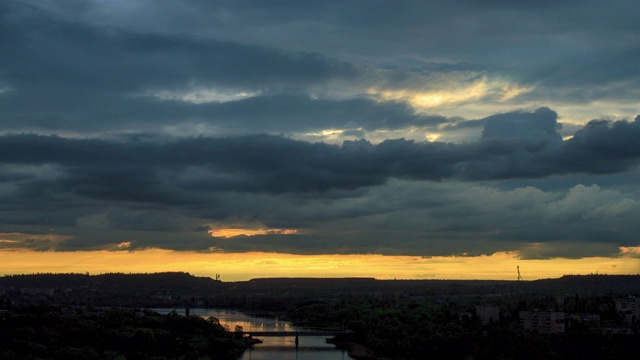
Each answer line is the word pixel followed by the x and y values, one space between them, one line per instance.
pixel 51 332
pixel 45 316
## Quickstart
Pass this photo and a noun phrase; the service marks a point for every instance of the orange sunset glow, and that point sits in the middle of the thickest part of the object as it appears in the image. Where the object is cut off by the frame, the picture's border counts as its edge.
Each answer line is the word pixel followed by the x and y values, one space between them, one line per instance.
pixel 240 267
pixel 231 232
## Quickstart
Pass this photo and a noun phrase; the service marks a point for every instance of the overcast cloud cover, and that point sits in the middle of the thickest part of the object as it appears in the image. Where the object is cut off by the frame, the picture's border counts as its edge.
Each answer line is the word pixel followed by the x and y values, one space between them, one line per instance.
pixel 317 127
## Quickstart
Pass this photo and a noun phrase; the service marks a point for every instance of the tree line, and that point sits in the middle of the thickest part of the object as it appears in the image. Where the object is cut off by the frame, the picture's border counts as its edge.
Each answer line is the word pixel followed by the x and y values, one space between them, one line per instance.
pixel 50 332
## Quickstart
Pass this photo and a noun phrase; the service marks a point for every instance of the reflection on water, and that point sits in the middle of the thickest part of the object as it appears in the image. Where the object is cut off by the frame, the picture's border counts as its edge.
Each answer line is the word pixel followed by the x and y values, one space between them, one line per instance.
pixel 310 347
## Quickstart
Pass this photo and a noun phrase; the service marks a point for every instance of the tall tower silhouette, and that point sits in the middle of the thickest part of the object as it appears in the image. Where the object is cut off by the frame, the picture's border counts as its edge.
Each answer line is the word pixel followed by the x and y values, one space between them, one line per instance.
pixel 517 287
pixel 519 277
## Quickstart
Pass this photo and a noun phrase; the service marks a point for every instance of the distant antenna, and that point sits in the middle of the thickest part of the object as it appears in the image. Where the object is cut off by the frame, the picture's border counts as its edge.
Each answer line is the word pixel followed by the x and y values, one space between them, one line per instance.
pixel 519 277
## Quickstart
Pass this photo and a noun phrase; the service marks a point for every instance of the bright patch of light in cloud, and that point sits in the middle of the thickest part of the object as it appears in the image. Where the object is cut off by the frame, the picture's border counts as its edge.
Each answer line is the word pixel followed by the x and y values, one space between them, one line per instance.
pixel 124 245
pixel 329 135
pixel 432 137
pixel 450 91
pixel 201 95
pixel 630 251
pixel 512 91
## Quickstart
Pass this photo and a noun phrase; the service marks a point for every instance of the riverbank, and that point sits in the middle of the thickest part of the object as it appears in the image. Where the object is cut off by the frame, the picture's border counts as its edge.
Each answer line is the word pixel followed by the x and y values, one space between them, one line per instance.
pixel 360 352
pixel 355 350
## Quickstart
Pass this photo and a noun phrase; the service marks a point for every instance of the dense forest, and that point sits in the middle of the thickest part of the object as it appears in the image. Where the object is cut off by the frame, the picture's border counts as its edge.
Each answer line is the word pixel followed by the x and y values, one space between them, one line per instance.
pixel 50 332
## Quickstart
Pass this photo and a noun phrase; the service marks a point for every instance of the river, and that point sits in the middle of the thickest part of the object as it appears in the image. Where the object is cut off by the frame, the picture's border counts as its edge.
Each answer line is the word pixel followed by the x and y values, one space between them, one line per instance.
pixel 272 348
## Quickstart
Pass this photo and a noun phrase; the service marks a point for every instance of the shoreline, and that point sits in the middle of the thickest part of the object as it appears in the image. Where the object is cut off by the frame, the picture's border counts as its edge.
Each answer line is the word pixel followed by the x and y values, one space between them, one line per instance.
pixel 355 350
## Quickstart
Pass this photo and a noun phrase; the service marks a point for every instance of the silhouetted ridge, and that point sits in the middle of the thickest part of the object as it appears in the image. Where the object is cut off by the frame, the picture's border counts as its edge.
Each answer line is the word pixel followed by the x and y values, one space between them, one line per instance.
pixel 111 281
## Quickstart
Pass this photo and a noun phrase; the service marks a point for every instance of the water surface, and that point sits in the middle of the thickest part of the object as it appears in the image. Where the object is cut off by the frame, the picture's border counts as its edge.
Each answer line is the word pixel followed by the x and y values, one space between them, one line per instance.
pixel 272 348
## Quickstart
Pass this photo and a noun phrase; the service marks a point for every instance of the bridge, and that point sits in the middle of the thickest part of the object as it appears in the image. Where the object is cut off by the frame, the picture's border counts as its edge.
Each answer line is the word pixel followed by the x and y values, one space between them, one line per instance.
pixel 296 333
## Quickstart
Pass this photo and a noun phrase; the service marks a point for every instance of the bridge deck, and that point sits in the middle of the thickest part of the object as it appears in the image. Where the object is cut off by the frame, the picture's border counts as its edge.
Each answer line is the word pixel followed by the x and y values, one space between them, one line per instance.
pixel 295 333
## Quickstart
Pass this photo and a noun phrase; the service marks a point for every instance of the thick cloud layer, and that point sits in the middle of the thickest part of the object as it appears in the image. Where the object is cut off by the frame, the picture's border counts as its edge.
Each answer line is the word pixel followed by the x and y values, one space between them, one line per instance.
pixel 514 145
pixel 410 127
pixel 204 179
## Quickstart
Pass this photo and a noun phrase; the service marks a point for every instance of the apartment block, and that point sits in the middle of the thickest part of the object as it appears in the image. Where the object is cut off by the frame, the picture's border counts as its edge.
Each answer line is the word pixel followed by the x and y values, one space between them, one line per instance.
pixel 545 322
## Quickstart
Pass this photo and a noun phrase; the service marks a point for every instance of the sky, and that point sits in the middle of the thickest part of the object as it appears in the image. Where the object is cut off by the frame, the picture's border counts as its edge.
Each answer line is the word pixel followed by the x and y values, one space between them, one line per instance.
pixel 391 139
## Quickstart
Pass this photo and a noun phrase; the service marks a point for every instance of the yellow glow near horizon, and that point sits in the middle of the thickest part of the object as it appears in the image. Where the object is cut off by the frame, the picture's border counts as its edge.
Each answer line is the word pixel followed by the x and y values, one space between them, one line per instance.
pixel 244 266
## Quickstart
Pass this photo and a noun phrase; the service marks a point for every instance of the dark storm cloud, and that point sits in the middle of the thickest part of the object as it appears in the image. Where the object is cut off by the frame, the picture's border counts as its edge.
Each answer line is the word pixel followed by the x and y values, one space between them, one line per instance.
pixel 274 114
pixel 125 87
pixel 300 113
pixel 525 145
pixel 65 75
pixel 66 70
pixel 541 125
pixel 428 218
pixel 42 49
pixel 550 43
pixel 154 192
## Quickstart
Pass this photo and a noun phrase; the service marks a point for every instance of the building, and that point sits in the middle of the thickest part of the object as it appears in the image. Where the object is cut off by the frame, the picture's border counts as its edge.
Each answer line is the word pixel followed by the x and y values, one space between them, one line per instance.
pixel 488 313
pixel 629 308
pixel 545 322
pixel 584 317
pixel 613 330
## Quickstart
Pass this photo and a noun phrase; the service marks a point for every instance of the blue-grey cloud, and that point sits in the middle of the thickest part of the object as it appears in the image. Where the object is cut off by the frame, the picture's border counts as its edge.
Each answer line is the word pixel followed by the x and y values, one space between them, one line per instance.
pixel 153 124
pixel 523 145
